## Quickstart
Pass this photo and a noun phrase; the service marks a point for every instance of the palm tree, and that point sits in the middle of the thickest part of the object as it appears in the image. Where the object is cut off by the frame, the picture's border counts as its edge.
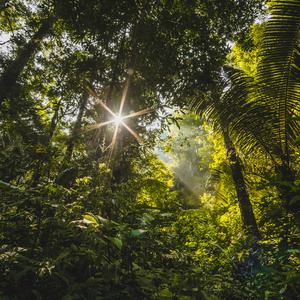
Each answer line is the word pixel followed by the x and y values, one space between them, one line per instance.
pixel 267 118
pixel 261 115
pixel 213 106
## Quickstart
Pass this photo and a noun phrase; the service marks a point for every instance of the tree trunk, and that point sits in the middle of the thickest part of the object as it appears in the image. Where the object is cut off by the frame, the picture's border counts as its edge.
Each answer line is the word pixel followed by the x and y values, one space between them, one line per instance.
pixel 104 114
pixel 77 126
pixel 245 205
pixel 10 75
pixel 54 122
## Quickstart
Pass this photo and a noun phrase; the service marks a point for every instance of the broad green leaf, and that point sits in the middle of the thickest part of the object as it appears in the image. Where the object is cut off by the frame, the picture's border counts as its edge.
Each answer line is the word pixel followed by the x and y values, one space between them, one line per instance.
pixel 165 293
pixel 102 220
pixel 283 289
pixel 147 217
pixel 138 233
pixel 89 219
pixel 62 255
pixel 116 241
pixel 267 293
pixel 135 266
pixel 111 224
pixel 166 214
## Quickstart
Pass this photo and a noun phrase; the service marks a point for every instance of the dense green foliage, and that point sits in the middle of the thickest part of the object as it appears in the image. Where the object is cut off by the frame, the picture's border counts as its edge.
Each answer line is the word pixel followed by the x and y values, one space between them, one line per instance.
pixel 88 210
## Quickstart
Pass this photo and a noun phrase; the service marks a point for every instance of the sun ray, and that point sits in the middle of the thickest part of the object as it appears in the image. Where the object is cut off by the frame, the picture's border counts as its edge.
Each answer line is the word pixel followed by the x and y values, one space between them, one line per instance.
pixel 130 73
pixel 100 101
pixel 113 142
pixel 118 118
pixel 92 127
pixel 138 138
pixel 139 113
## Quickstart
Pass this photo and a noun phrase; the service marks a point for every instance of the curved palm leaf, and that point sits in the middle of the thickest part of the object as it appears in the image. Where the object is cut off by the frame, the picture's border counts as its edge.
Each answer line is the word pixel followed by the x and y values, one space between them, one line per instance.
pixel 278 77
pixel 263 115
pixel 229 107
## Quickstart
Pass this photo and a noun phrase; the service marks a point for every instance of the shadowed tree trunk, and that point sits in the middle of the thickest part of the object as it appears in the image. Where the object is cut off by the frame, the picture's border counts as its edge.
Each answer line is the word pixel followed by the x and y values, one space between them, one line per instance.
pixel 54 121
pixel 103 114
pixel 245 205
pixel 77 126
pixel 10 76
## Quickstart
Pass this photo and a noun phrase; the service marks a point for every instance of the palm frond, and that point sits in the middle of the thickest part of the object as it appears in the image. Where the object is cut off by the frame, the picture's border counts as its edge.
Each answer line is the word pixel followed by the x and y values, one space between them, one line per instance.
pixel 263 115
pixel 229 106
pixel 278 74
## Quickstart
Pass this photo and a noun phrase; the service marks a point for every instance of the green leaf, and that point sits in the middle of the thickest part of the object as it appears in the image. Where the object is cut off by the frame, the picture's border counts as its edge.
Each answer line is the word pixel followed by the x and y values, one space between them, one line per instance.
pixel 165 293
pixel 138 233
pixel 62 255
pixel 182 297
pixel 116 241
pixel 89 219
pixel 283 290
pixel 297 182
pixel 7 186
pixel 135 266
pixel 147 217
pixel 293 251
pixel 112 224
pixel 267 293
pixel 167 215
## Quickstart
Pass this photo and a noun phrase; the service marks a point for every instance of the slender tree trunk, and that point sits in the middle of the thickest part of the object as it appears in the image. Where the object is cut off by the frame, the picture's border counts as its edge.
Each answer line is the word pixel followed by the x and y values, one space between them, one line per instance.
pixel 10 75
pixel 77 126
pixel 245 205
pixel 37 173
pixel 104 114
pixel 54 122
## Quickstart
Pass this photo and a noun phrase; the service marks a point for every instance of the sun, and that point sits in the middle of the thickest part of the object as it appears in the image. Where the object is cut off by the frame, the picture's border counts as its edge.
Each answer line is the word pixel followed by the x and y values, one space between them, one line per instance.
pixel 118 119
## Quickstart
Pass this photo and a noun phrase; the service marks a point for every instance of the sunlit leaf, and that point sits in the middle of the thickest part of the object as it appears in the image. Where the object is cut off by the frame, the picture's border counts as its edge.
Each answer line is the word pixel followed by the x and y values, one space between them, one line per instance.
pixel 116 241
pixel 89 219
pixel 147 217
pixel 138 233
pixel 165 293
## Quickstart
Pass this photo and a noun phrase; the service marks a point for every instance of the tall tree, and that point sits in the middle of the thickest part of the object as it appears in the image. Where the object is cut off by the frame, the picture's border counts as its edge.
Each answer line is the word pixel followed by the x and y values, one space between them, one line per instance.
pixel 13 70
pixel 213 106
pixel 77 125
pixel 267 117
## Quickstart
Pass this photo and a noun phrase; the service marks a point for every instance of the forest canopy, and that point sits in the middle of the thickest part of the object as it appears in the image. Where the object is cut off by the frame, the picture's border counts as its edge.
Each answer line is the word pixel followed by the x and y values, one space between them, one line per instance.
pixel 149 149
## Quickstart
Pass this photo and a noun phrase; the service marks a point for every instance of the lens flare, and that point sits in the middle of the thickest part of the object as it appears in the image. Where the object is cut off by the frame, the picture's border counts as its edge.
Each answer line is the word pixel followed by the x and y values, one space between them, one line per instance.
pixel 118 119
